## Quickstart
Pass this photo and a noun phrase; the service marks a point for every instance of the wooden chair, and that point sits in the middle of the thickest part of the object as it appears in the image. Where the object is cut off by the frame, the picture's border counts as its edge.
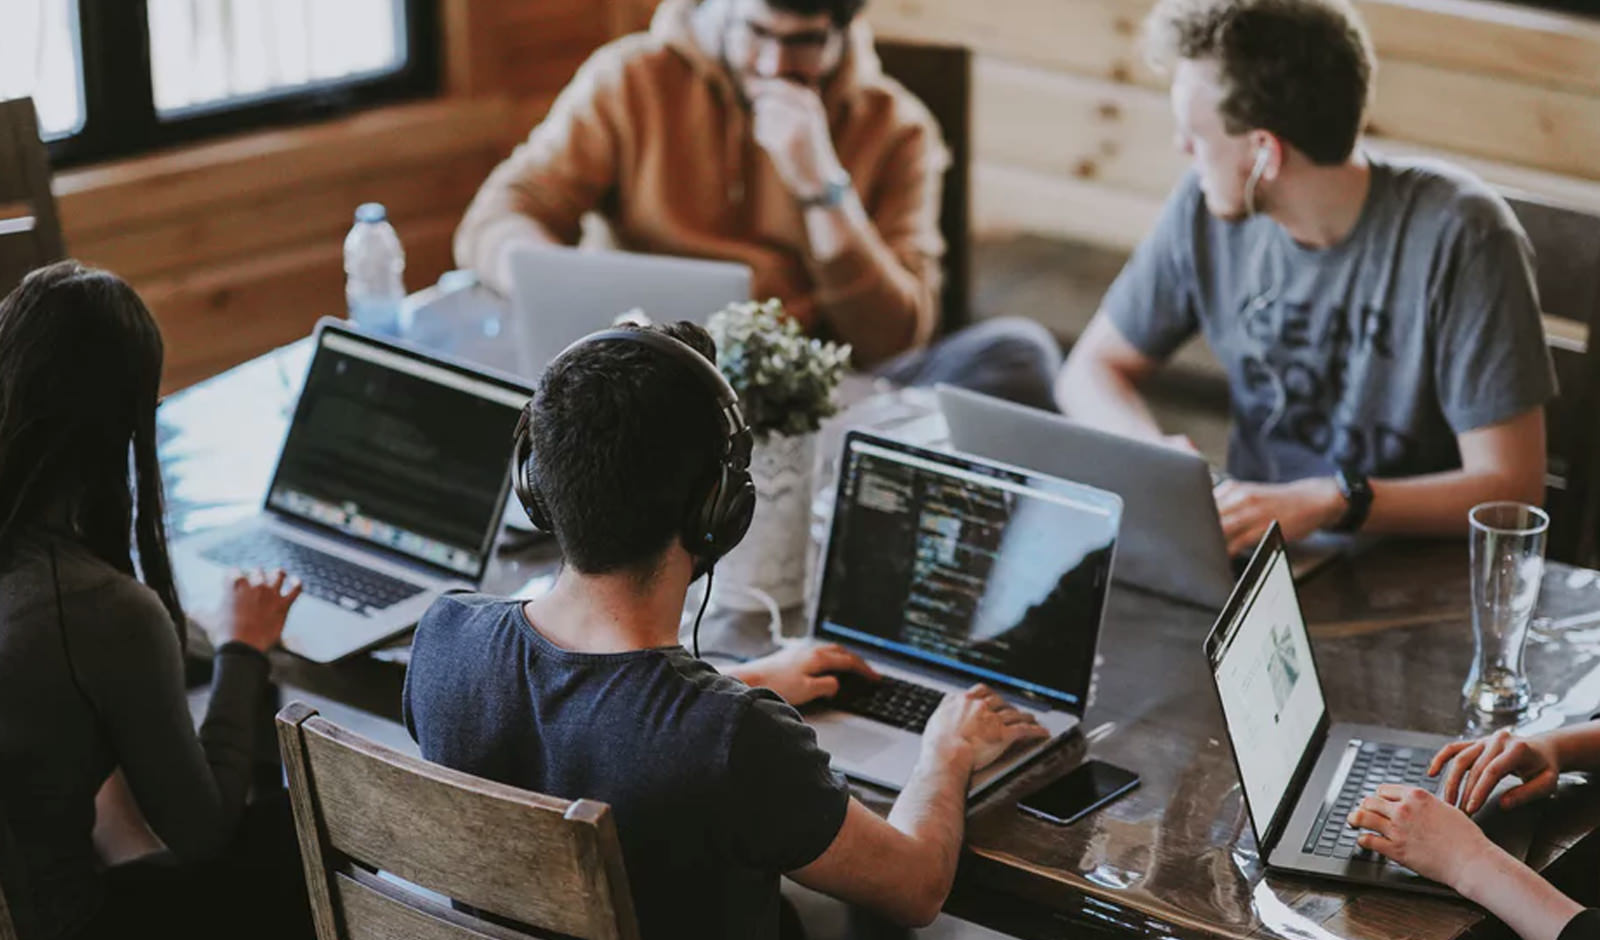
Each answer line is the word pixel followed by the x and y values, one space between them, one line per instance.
pixel 1566 245
pixel 516 863
pixel 30 234
pixel 942 77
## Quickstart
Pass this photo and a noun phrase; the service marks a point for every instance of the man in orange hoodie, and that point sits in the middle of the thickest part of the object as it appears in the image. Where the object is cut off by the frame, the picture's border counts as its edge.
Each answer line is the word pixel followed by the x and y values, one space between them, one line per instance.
pixel 762 132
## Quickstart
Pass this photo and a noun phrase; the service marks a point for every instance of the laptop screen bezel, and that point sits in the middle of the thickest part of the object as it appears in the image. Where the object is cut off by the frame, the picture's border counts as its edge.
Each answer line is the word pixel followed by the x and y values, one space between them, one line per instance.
pixel 1244 594
pixel 1073 700
pixel 431 358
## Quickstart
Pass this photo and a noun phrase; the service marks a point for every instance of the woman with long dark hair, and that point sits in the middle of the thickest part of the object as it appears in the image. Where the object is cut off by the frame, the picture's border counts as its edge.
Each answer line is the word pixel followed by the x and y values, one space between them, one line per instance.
pixel 92 633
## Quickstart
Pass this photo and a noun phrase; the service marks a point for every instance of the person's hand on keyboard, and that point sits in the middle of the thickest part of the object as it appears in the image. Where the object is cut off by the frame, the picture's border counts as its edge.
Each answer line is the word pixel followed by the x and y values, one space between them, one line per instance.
pixel 1422 832
pixel 254 607
pixel 1477 767
pixel 978 726
pixel 801 673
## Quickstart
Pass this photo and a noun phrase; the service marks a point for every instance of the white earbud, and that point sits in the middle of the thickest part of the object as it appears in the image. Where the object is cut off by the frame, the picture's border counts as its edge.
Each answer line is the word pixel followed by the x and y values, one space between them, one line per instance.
pixel 1263 154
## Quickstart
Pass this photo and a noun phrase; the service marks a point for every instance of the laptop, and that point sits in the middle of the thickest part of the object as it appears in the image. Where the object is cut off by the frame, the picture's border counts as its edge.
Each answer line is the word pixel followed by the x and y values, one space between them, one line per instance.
pixel 942 570
pixel 1300 774
pixel 560 295
pixel 1172 541
pixel 388 491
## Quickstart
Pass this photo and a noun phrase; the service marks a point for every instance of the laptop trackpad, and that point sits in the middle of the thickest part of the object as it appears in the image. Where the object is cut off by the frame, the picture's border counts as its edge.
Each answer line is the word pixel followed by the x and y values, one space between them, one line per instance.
pixel 865 749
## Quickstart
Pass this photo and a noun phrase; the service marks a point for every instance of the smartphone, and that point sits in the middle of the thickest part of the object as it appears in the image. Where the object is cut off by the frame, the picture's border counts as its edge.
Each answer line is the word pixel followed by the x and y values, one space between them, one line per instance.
pixel 1088 787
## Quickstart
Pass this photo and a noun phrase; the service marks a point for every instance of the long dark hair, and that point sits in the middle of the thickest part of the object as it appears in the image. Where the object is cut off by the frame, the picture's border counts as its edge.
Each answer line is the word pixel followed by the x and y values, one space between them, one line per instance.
pixel 80 373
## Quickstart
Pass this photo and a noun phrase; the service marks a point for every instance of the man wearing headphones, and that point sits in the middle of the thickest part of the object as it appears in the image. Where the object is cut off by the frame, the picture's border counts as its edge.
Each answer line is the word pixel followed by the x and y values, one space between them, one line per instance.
pixel 634 455
pixel 1377 318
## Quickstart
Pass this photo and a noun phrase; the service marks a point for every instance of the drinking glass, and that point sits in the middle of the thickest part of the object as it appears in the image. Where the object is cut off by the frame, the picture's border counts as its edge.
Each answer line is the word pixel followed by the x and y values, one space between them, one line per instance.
pixel 1507 566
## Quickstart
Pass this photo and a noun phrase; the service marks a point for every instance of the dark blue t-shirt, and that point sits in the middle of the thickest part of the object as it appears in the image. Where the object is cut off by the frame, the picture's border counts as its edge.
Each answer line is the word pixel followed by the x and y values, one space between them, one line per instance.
pixel 717 788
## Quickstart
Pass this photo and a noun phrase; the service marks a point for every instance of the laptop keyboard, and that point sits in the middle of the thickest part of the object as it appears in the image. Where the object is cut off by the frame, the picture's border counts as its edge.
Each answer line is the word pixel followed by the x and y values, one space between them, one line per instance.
pixel 889 700
pixel 1374 764
pixel 328 577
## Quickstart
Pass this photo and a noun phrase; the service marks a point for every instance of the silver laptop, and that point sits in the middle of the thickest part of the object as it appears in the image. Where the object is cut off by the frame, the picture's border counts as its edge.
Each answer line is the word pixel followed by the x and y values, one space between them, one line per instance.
pixel 388 491
pixel 1171 540
pixel 942 570
pixel 560 295
pixel 1300 774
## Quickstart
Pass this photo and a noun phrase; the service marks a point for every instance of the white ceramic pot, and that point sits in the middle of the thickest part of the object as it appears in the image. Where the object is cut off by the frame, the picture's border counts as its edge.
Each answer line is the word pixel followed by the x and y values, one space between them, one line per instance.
pixel 772 558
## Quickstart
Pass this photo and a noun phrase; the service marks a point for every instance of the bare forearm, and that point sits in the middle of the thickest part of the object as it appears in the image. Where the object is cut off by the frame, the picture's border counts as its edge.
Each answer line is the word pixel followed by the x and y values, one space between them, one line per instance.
pixel 1518 895
pixel 1578 747
pixel 1437 503
pixel 932 811
pixel 874 303
pixel 1103 398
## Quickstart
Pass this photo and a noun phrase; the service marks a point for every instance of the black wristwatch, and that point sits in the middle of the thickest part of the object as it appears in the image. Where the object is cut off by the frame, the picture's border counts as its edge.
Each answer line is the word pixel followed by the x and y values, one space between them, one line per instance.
pixel 1357 493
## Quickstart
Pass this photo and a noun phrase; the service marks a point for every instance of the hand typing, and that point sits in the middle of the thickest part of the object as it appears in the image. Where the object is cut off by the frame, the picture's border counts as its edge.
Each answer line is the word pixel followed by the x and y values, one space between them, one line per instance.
pixel 255 605
pixel 977 724
pixel 800 673
pixel 1477 767
pixel 1420 831
pixel 1301 508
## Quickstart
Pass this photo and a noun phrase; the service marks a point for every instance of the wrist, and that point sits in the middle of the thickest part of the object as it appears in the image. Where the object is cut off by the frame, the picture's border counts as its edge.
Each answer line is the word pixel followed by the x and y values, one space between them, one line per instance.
pixel 1355 499
pixel 241 647
pixel 956 755
pixel 1480 867
pixel 1334 503
pixel 1567 746
pixel 829 192
pixel 746 673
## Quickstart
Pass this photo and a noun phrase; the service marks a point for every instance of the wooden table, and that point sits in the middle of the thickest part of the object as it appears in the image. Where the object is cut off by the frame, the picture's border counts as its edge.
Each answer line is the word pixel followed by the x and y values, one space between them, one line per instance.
pixel 1175 858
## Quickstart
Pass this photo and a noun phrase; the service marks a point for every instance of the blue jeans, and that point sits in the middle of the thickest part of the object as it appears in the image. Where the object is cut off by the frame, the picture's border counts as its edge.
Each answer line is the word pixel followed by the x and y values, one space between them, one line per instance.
pixel 1007 357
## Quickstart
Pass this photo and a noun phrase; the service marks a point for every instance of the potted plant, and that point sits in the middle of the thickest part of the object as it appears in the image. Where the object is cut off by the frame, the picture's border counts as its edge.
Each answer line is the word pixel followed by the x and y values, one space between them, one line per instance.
pixel 785 382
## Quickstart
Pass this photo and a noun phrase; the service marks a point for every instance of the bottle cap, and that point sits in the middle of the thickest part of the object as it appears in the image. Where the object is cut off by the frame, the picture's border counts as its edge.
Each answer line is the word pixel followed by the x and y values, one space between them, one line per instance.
pixel 371 212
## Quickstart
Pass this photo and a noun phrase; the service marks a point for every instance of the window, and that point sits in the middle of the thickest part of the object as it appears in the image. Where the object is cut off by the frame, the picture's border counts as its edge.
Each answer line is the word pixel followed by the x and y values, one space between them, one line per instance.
pixel 114 77
pixel 39 56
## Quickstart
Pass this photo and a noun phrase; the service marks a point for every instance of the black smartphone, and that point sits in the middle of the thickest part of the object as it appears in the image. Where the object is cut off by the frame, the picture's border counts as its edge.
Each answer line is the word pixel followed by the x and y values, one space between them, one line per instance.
pixel 1093 784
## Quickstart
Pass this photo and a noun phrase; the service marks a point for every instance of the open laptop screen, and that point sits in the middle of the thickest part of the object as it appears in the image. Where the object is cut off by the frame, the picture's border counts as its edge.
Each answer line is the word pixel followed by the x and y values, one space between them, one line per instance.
pixel 995 572
pixel 399 450
pixel 1271 699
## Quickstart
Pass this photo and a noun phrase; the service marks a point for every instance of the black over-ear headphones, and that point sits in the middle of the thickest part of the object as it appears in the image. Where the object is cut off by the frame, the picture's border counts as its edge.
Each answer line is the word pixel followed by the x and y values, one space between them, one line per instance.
pixel 714 523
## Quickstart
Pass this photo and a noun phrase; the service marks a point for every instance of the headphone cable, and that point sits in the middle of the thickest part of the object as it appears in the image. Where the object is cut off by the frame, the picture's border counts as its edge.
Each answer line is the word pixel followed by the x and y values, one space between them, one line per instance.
pixel 694 635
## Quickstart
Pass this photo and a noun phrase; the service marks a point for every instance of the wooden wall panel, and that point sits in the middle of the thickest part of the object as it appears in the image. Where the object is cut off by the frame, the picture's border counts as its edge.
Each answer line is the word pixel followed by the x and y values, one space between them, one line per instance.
pixel 1063 99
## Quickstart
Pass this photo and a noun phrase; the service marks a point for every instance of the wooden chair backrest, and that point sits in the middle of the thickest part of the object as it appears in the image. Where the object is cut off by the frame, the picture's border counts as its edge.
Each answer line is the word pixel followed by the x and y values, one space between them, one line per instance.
pixel 30 233
pixel 941 76
pixel 1566 246
pixel 516 864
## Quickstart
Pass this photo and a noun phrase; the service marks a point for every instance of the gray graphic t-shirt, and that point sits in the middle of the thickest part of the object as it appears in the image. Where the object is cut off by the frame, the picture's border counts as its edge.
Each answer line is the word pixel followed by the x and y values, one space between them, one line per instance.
pixel 1371 354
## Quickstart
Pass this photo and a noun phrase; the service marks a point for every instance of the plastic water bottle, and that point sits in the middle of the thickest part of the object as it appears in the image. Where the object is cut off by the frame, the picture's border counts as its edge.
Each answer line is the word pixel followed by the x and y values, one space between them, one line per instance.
pixel 374 263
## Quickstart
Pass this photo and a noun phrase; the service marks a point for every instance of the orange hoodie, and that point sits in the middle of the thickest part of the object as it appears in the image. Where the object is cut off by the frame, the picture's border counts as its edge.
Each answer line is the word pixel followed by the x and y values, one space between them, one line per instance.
pixel 652 134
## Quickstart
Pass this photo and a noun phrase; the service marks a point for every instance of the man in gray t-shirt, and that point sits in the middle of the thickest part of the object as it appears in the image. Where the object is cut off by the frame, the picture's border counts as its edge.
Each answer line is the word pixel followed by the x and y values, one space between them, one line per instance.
pixel 1377 318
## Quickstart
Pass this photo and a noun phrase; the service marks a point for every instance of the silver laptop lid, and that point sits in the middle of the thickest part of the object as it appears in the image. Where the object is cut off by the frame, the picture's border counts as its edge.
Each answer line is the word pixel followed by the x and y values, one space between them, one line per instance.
pixel 1171 540
pixel 399 450
pixel 1266 681
pixel 560 295
pixel 986 571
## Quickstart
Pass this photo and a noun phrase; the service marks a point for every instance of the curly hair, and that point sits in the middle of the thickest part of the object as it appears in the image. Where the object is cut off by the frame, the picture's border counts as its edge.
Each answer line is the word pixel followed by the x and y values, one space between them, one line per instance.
pixel 1301 69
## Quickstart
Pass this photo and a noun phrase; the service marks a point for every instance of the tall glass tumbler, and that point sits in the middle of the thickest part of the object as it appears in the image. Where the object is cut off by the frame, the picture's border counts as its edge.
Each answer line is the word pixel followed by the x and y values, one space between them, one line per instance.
pixel 1507 567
